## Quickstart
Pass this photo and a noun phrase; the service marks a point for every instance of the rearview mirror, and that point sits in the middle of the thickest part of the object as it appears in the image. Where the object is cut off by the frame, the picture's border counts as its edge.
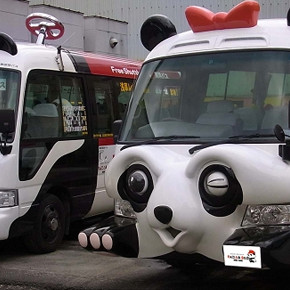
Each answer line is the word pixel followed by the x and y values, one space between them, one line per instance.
pixel 117 129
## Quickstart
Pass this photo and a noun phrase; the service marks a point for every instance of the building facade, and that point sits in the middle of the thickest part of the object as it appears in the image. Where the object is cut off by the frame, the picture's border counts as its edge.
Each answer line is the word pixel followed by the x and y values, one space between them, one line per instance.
pixel 90 33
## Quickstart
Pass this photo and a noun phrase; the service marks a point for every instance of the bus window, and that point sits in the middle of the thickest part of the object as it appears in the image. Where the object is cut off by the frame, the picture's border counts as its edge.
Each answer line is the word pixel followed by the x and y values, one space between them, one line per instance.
pixel 54 108
pixel 73 107
pixel 276 101
pixel 42 116
pixel 124 96
pixel 9 86
pixel 9 92
pixel 170 103
pixel 110 97
pixel 236 86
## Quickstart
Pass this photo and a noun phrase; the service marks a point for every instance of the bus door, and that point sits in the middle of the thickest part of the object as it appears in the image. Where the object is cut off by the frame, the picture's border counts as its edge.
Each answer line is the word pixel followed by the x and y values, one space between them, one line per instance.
pixel 55 139
pixel 110 97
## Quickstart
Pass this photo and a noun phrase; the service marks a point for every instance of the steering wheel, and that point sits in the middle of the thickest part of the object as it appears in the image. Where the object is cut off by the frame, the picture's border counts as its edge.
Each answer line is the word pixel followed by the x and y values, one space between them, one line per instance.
pixel 50 26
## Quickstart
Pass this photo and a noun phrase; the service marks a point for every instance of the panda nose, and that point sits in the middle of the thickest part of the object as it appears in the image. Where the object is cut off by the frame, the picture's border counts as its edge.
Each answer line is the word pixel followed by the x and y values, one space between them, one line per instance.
pixel 163 214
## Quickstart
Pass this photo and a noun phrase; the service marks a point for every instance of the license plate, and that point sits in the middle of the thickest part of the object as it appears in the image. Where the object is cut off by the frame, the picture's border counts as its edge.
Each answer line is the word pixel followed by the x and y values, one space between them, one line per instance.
pixel 242 256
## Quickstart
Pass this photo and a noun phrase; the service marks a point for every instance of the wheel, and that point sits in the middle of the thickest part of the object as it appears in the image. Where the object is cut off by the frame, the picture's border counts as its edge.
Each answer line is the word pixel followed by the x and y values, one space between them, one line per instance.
pixel 49 227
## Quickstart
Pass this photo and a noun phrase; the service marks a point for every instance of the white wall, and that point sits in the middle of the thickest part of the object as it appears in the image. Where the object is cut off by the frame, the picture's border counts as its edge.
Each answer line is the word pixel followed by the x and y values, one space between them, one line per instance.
pixel 12 19
pixel 99 30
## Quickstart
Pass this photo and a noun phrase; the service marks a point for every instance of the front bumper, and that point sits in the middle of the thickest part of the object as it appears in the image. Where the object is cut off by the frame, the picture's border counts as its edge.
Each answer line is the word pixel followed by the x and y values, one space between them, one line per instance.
pixel 273 242
pixel 7 217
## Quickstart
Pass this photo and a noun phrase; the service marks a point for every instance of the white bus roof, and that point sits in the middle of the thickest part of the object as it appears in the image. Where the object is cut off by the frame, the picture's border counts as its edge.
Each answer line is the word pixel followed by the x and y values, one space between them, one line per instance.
pixel 270 33
pixel 38 56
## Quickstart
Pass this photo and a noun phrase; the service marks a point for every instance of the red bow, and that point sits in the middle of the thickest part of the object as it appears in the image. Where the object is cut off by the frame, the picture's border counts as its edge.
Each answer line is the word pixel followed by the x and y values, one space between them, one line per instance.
pixel 244 14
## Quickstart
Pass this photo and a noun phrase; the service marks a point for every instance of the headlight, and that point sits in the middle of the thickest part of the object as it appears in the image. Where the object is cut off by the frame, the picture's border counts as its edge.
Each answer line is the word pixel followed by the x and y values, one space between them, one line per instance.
pixel 138 182
pixel 219 190
pixel 136 185
pixel 267 215
pixel 124 208
pixel 8 198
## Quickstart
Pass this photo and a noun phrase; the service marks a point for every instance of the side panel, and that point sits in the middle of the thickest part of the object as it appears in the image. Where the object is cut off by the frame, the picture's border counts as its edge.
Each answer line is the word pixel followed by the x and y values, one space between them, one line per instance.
pixel 70 107
pixel 109 97
pixel 57 152
pixel 73 177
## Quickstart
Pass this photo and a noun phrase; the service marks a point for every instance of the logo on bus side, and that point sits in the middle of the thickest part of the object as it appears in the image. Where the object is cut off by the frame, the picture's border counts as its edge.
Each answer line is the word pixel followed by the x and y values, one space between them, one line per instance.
pixel 75 119
pixel 124 71
pixel 242 256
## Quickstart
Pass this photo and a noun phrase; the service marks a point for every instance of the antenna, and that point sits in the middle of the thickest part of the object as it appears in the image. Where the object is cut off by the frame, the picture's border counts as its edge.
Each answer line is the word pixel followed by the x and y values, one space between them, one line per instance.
pixel 44 26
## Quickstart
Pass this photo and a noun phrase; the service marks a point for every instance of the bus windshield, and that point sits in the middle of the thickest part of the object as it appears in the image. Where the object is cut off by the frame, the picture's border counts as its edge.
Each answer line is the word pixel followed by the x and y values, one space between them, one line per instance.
pixel 9 89
pixel 213 96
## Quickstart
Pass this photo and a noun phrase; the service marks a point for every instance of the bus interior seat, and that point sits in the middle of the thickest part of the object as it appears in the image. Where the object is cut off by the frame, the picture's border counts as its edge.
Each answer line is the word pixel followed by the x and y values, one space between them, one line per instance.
pixel 250 117
pixel 274 116
pixel 220 113
pixel 45 121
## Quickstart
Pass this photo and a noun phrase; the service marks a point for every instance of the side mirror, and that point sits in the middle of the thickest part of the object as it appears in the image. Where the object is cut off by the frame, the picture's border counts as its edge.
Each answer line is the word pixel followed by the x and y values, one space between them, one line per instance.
pixel 284 150
pixel 7 121
pixel 7 126
pixel 117 125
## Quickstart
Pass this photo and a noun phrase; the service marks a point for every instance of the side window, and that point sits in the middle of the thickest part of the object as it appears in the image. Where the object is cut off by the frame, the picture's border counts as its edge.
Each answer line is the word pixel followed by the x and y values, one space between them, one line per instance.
pixel 110 98
pixel 41 115
pixel 230 101
pixel 124 96
pixel 73 108
pixel 216 87
pixel 236 86
pixel 54 107
pixel 103 104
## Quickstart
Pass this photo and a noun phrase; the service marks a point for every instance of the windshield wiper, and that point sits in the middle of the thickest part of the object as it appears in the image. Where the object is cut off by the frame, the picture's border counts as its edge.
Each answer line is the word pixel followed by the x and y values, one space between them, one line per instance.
pixel 229 140
pixel 159 138
pixel 251 136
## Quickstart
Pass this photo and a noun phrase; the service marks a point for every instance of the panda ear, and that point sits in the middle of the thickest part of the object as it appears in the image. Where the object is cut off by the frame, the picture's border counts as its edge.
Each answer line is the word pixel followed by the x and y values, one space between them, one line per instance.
pixel 156 29
pixel 7 44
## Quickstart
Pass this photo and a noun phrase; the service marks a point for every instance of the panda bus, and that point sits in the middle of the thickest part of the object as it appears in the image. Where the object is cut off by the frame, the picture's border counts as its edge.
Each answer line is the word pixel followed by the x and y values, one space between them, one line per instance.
pixel 57 108
pixel 202 161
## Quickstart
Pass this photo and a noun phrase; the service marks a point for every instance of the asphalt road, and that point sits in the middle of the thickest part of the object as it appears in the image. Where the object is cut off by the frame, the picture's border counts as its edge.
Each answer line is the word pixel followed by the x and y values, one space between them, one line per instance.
pixel 72 267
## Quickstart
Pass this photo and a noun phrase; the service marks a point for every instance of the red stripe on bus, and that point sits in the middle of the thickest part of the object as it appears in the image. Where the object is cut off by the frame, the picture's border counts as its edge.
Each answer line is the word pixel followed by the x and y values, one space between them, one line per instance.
pixel 106 141
pixel 111 66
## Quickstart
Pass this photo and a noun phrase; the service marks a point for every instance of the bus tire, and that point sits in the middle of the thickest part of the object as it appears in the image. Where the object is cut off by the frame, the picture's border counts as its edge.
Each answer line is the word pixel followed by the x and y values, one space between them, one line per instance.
pixel 49 227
